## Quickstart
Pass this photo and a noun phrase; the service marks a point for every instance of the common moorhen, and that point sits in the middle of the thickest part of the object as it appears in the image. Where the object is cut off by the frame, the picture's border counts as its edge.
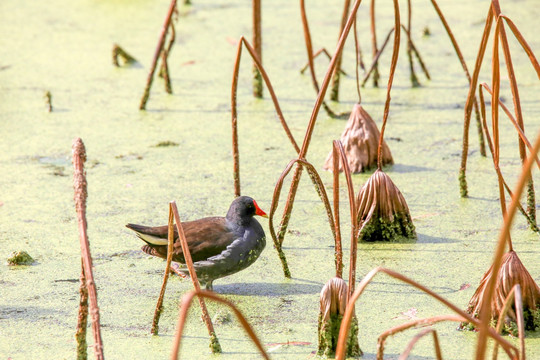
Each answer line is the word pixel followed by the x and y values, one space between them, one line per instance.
pixel 219 246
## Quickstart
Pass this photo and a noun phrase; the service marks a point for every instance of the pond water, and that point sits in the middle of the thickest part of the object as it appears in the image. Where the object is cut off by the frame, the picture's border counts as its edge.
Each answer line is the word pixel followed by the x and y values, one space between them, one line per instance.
pixel 65 48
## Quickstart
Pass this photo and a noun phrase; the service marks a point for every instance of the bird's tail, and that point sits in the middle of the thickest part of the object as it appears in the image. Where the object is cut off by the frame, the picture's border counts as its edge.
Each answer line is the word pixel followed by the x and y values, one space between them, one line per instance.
pixel 145 233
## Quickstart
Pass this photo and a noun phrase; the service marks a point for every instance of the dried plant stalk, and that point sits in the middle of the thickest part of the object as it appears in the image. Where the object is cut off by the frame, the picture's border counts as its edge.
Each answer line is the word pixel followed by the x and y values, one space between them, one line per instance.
pixel 159 305
pixel 515 297
pixel 455 45
pixel 164 69
pixel 338 248
pixel 469 105
pixel 215 347
pixel 319 186
pixel 383 214
pixel 411 324
pixel 311 56
pixel 499 29
pixel 334 91
pixel 187 301
pixel 346 322
pixel 234 113
pixel 512 272
pixel 333 302
pixel 338 149
pixel 360 140
pixel 374 49
pixel 118 52
pixel 82 318
pixel 414 78
pixel 494 11
pixel 485 309
pixel 405 354
pixel 159 49
pixel 257 45
pixel 315 55
pixel 80 187
pixel 502 182
pixel 320 98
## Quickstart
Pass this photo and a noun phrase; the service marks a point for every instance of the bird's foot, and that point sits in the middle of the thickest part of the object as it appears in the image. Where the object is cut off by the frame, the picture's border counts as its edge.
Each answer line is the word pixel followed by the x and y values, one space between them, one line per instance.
pixel 175 268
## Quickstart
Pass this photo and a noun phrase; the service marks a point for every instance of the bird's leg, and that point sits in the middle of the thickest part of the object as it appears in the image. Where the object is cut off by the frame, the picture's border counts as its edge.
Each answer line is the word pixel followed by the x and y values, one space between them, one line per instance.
pixel 209 285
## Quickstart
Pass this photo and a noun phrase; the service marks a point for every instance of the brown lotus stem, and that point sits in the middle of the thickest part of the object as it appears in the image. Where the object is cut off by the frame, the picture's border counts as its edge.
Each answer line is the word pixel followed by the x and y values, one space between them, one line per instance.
pixel 393 64
pixel 374 65
pixel 234 113
pixel 187 301
pixel 311 56
pixel 118 52
pixel 358 61
pixel 469 103
pixel 159 305
pixel 512 120
pixel 215 347
pixel 319 186
pixel 496 163
pixel 159 49
pixel 164 72
pixel 80 187
pixel 82 318
pixel 412 324
pixel 257 45
pixel 315 55
pixel 338 150
pixel 164 69
pixel 311 125
pixel 346 322
pixel 499 27
pixel 485 311
pixel 405 354
pixel 338 249
pixel 354 219
pixel 416 53
pixel 482 144
pixel 513 296
pixel 334 91
pixel 414 78
pixel 374 49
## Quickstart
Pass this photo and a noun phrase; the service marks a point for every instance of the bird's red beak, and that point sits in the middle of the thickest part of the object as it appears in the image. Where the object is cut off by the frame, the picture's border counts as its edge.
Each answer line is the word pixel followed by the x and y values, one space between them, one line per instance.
pixel 258 210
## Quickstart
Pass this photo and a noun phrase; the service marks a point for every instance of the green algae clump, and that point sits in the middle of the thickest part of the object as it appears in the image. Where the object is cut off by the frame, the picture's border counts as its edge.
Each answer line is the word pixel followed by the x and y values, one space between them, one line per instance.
pixel 20 258
pixel 333 302
pixel 383 214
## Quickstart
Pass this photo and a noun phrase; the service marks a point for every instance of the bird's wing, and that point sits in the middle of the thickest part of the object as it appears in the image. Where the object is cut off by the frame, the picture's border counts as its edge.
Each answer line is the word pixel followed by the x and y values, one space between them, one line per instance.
pixel 238 255
pixel 205 237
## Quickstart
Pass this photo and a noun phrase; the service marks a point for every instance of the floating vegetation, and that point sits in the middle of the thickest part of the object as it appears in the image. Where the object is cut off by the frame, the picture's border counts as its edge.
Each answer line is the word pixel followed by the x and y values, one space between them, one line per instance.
pixel 20 257
pixel 166 143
